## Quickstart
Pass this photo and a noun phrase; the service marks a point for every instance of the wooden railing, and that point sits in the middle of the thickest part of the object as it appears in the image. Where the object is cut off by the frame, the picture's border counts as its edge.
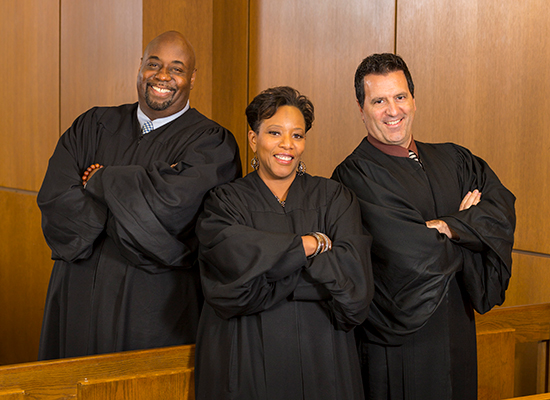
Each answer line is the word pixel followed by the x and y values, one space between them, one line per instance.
pixel 158 374
pixel 498 331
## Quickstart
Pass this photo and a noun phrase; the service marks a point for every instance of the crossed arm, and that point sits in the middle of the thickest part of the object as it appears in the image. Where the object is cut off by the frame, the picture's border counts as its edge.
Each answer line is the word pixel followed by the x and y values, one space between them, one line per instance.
pixel 471 199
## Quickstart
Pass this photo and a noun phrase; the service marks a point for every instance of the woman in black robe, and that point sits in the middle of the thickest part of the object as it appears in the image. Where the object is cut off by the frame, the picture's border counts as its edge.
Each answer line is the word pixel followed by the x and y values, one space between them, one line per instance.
pixel 285 269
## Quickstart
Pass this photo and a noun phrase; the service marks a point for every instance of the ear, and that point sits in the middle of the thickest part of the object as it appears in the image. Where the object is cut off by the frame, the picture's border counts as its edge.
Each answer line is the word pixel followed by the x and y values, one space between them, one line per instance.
pixel 252 140
pixel 361 111
pixel 192 82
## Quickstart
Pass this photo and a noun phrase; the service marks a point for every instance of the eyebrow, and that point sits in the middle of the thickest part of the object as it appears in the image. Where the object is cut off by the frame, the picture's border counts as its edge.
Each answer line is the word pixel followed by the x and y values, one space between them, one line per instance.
pixel 172 62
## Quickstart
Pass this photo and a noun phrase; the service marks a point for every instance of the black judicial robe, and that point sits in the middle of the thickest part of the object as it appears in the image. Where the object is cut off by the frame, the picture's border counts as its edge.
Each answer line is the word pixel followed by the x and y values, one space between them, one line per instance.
pixel 124 276
pixel 419 340
pixel 276 325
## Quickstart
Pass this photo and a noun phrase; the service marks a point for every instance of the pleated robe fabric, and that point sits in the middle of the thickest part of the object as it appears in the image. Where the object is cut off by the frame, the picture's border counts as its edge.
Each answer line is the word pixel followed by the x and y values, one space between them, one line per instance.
pixel 276 325
pixel 125 275
pixel 419 340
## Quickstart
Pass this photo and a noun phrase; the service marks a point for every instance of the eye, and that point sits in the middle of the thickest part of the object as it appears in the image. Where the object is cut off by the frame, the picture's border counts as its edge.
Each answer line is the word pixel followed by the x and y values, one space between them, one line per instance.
pixel 275 133
pixel 401 97
pixel 177 70
pixel 377 101
pixel 299 136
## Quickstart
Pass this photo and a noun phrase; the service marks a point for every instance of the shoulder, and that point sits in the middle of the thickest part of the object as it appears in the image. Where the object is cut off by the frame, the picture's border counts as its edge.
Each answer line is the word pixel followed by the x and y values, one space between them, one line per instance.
pixel 237 191
pixel 318 187
pixel 108 115
pixel 445 151
pixel 195 124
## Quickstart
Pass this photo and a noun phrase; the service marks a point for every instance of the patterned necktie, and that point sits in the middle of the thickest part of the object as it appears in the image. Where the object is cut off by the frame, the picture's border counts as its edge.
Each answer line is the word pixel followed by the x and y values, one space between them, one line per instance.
pixel 413 156
pixel 147 127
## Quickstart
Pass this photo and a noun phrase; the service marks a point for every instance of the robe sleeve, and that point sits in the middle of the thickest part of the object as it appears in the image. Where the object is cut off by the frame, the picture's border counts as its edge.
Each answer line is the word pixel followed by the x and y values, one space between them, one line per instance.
pixel 412 264
pixel 345 272
pixel 149 212
pixel 244 270
pixel 154 208
pixel 487 231
pixel 71 220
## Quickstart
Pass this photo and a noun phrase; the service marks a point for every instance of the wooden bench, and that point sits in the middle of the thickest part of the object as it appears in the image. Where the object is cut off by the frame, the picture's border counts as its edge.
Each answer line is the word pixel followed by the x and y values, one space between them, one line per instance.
pixel 166 373
pixel 498 331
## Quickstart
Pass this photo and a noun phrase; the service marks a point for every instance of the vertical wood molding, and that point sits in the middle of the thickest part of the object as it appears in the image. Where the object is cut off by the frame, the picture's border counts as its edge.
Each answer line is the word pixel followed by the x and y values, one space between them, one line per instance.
pixel 230 70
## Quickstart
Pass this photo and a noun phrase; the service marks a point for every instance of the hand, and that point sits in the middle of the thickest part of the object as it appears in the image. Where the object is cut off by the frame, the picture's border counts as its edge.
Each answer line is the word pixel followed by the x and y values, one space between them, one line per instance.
pixel 442 227
pixel 471 199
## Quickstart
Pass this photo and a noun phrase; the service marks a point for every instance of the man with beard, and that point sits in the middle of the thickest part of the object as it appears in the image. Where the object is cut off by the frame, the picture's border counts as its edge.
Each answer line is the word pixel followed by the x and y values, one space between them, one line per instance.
pixel 119 204
pixel 443 229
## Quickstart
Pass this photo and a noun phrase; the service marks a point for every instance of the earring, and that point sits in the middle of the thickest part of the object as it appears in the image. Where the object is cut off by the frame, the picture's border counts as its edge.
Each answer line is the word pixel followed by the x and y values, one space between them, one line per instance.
pixel 301 168
pixel 255 163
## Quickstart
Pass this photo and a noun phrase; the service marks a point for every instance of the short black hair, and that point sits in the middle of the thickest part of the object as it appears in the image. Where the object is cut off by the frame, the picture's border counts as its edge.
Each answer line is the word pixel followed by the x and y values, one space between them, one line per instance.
pixel 379 64
pixel 266 104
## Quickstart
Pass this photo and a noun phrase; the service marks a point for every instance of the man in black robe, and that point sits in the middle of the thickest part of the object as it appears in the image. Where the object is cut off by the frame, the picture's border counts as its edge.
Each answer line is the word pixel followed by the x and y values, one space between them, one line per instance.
pixel 119 205
pixel 442 227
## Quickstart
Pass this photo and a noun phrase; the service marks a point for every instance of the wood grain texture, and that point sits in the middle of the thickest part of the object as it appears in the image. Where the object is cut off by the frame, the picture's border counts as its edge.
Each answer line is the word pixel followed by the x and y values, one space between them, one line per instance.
pixel 12 395
pixel 315 46
pixel 194 19
pixel 29 105
pixel 230 70
pixel 479 69
pixel 25 268
pixel 100 54
pixel 530 282
pixel 495 360
pixel 57 380
pixel 162 385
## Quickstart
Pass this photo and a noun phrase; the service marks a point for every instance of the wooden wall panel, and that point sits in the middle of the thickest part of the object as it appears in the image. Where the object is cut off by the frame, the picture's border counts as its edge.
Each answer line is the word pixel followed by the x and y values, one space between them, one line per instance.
pixel 530 280
pixel 230 69
pixel 194 19
pixel 481 78
pixel 315 46
pixel 29 105
pixel 100 53
pixel 25 268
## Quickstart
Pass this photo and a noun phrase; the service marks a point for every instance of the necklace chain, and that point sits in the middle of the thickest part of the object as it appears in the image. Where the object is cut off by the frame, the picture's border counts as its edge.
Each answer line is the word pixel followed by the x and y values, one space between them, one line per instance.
pixel 281 202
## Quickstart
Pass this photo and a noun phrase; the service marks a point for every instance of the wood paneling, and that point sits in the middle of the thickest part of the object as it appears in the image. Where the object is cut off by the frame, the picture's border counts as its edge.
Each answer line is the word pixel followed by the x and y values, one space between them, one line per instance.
pixel 315 46
pixel 25 268
pixel 481 78
pixel 530 282
pixel 194 19
pixel 29 105
pixel 230 69
pixel 100 53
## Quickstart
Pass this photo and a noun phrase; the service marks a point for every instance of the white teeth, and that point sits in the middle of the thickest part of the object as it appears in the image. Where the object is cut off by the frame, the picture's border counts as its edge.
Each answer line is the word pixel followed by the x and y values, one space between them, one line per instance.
pixel 284 158
pixel 393 122
pixel 161 90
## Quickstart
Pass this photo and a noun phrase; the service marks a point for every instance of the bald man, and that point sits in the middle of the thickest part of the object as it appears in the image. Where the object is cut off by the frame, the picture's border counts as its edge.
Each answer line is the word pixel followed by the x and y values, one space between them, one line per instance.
pixel 119 204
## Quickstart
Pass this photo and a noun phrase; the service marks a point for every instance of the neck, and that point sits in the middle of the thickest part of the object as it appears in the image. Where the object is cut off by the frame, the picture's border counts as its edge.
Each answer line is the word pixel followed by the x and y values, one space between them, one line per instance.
pixel 279 187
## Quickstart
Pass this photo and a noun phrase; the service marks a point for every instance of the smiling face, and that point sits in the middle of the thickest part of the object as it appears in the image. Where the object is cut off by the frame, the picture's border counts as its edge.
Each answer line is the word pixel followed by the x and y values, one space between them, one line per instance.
pixel 388 111
pixel 166 75
pixel 279 144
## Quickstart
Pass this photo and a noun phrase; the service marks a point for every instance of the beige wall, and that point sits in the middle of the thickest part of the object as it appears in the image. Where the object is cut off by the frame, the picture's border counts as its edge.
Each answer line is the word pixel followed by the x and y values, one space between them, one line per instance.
pixel 479 69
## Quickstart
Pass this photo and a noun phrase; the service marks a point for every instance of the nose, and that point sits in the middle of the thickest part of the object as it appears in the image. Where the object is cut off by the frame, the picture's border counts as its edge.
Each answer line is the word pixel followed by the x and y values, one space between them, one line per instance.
pixel 392 108
pixel 286 141
pixel 163 74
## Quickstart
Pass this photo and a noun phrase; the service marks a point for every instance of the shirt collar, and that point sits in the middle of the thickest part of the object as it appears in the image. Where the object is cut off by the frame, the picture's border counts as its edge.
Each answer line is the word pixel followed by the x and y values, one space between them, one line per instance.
pixel 157 123
pixel 391 149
